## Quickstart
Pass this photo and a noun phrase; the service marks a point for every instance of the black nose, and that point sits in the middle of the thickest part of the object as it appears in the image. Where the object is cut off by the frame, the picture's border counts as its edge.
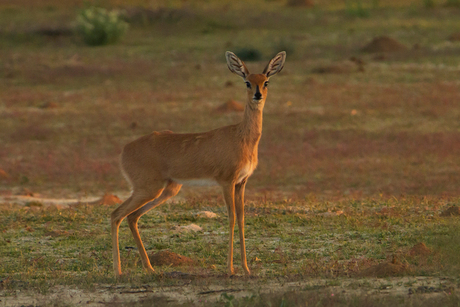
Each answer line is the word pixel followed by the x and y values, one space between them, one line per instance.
pixel 258 96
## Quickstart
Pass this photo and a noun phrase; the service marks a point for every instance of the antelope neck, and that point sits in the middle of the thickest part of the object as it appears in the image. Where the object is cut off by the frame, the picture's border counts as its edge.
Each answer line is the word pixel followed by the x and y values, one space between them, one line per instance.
pixel 251 126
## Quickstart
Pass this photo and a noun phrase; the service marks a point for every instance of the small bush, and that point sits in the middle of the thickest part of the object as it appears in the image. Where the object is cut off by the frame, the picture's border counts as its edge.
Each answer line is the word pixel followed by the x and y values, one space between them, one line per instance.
pixel 284 44
pixel 304 3
pixel 356 9
pixel 453 3
pixel 429 4
pixel 249 54
pixel 97 26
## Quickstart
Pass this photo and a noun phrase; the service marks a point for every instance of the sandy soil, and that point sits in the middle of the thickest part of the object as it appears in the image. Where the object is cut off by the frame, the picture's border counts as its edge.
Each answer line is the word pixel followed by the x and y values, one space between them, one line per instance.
pixel 211 290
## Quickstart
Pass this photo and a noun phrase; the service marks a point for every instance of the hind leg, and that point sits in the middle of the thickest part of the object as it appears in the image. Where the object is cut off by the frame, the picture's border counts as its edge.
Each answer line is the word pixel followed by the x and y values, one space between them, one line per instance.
pixel 171 189
pixel 138 199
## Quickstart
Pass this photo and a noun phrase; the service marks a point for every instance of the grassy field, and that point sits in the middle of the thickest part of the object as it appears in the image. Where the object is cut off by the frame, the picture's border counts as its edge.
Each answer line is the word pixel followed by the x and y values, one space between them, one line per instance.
pixel 357 162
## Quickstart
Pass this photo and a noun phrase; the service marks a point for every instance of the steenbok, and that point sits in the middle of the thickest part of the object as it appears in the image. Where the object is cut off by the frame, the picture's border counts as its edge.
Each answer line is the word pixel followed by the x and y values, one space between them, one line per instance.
pixel 158 164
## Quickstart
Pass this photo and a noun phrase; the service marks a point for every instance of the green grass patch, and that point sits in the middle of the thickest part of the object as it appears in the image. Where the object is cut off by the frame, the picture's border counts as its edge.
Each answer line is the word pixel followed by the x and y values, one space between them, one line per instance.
pixel 328 240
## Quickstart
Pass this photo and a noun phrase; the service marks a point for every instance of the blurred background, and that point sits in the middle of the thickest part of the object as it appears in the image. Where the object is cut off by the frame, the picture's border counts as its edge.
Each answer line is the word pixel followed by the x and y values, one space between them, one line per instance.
pixel 367 104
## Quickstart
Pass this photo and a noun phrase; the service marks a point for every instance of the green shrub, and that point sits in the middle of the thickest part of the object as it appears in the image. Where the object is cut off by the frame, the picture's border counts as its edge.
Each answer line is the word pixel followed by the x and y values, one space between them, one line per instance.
pixel 356 9
pixel 97 26
pixel 284 44
pixel 453 3
pixel 429 4
pixel 248 54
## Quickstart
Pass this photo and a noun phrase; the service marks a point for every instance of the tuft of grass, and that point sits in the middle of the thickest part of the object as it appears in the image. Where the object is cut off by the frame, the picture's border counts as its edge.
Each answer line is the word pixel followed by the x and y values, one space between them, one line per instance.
pixel 446 248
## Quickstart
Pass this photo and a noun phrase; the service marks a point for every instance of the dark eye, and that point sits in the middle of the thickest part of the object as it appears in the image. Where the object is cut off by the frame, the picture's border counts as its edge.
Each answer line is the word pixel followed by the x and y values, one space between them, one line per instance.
pixel 265 83
pixel 248 84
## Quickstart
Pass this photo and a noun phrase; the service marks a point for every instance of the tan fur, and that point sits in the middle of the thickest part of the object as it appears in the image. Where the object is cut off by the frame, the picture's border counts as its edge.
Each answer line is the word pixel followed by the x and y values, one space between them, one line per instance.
pixel 155 164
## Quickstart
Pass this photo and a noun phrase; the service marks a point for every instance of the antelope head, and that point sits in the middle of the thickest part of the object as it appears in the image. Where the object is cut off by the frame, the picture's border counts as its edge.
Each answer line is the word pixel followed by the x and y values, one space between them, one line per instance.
pixel 256 84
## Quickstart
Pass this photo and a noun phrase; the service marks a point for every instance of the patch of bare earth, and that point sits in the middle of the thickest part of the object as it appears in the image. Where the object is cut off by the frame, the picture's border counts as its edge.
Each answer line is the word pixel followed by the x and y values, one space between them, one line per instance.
pixel 387 269
pixel 397 265
pixel 26 197
pixel 454 37
pixel 169 258
pixel 419 249
pixel 384 44
pixel 209 289
pixel 230 106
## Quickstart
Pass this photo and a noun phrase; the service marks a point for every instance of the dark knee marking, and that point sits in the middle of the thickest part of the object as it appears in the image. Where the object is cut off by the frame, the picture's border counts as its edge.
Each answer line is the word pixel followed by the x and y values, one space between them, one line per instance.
pixel 115 218
pixel 133 217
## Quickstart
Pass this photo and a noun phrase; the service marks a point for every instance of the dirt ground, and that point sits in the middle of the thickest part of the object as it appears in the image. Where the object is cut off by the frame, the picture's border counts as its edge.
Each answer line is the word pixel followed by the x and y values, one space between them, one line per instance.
pixel 208 289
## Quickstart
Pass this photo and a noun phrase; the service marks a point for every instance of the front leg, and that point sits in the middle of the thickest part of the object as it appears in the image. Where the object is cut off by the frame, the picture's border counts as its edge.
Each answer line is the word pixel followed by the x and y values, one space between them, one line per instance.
pixel 239 206
pixel 229 192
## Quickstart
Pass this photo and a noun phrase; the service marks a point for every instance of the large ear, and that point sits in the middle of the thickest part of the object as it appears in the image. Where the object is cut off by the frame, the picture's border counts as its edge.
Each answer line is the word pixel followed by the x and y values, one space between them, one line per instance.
pixel 235 65
pixel 275 65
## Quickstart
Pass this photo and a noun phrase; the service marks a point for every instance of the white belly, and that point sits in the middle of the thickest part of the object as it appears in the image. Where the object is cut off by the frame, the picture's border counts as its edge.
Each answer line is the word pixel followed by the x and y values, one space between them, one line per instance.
pixel 246 171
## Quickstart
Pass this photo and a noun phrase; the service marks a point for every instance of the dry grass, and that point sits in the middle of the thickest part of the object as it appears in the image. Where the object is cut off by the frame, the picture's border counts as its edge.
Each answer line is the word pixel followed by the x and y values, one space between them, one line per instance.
pixel 365 139
pixel 355 167
pixel 392 128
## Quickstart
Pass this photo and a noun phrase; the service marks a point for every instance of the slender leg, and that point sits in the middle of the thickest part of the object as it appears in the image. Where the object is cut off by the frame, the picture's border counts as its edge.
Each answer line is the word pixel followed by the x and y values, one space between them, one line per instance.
pixel 229 193
pixel 115 225
pixel 170 190
pixel 137 200
pixel 239 206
